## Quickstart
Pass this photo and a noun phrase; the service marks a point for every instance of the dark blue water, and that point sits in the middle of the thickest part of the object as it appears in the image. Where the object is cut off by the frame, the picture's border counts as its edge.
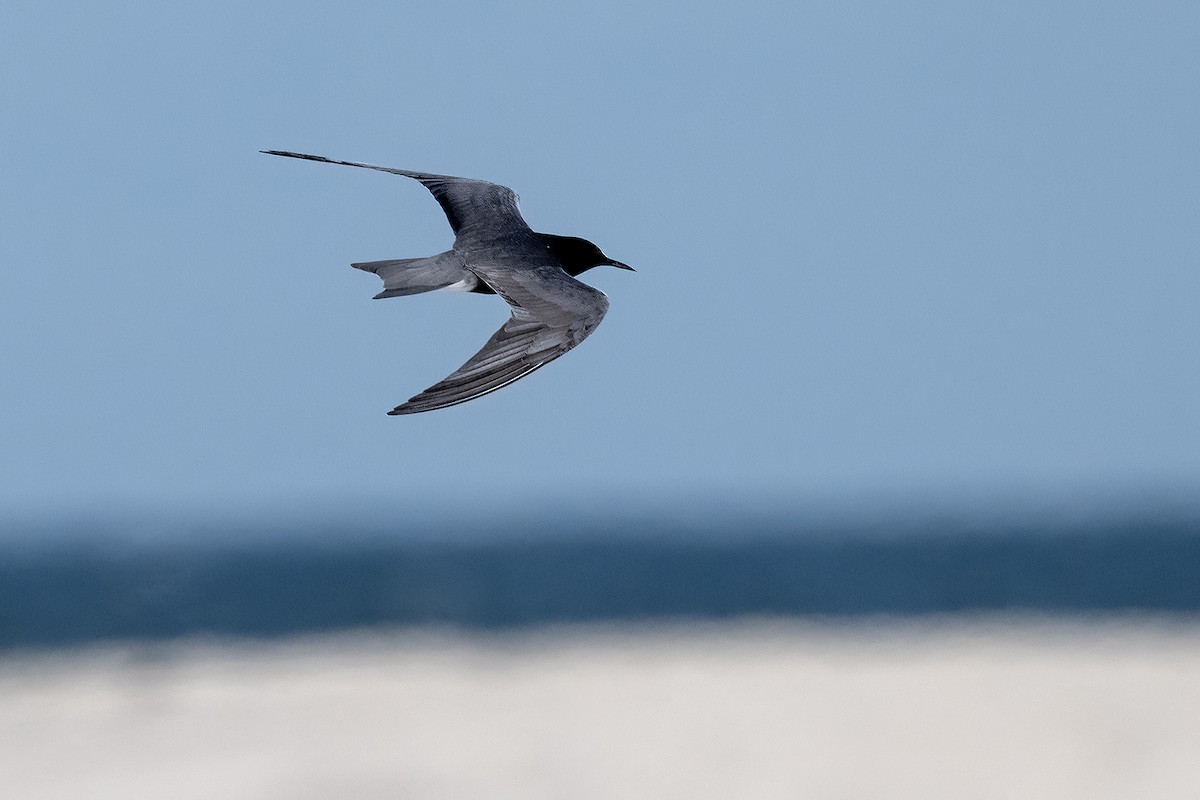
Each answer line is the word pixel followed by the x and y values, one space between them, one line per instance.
pixel 76 590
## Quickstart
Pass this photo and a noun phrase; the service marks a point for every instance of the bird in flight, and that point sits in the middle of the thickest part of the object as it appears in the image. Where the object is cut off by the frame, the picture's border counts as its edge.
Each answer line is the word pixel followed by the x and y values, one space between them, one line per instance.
pixel 495 252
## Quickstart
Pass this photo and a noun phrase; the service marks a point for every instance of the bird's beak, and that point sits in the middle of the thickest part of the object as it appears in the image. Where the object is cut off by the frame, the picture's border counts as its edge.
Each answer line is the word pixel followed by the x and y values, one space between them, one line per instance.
pixel 618 264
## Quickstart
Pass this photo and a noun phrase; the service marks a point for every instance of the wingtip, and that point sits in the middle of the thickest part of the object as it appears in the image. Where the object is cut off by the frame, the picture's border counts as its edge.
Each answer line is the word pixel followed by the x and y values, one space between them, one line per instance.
pixel 412 406
pixel 290 154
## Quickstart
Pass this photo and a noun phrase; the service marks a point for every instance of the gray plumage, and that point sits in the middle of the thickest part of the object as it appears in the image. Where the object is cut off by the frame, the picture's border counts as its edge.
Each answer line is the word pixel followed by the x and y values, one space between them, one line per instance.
pixel 496 252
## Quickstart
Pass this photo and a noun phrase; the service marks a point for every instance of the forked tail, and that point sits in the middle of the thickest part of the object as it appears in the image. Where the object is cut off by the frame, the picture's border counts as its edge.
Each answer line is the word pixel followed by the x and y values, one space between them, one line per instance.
pixel 405 276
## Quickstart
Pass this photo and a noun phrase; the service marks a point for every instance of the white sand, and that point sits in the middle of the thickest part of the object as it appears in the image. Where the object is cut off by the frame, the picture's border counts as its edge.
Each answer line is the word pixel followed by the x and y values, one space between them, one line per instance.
pixel 984 710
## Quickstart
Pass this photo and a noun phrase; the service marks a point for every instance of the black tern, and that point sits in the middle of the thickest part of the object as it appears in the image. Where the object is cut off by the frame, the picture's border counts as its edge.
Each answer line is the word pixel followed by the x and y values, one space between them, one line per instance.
pixel 495 252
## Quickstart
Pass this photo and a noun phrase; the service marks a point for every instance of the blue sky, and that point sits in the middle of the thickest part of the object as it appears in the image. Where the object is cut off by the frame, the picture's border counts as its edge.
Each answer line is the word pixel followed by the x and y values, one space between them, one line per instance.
pixel 917 248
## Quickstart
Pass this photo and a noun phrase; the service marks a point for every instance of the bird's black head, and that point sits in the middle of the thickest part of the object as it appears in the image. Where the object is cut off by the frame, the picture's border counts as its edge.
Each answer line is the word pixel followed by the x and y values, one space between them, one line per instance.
pixel 578 255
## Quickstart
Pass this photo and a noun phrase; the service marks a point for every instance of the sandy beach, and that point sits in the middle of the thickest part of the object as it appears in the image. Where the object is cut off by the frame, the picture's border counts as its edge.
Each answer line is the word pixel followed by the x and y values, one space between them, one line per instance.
pixel 984 709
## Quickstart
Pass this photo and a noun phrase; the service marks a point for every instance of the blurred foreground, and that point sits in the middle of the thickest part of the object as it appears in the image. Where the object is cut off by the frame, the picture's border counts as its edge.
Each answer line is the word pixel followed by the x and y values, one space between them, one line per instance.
pixel 604 656
pixel 953 708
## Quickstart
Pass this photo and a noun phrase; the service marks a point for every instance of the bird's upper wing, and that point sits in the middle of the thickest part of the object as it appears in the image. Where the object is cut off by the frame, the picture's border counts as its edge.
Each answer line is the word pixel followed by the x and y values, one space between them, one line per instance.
pixel 551 313
pixel 473 207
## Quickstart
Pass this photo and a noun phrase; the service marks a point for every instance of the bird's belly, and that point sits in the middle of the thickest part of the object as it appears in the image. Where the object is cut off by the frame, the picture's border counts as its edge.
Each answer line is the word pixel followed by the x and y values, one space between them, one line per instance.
pixel 467 284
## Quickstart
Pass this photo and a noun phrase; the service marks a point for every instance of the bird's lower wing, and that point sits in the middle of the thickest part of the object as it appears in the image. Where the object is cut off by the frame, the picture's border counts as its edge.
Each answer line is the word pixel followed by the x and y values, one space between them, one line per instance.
pixel 524 344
